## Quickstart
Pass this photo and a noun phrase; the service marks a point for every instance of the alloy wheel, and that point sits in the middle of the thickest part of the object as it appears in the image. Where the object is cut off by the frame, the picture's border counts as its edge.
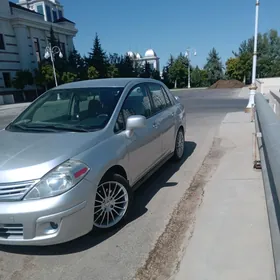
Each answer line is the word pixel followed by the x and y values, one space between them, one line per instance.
pixel 111 204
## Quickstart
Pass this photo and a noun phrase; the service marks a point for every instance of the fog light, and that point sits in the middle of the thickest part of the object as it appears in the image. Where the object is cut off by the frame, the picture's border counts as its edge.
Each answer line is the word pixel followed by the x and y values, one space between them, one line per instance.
pixel 47 228
pixel 54 225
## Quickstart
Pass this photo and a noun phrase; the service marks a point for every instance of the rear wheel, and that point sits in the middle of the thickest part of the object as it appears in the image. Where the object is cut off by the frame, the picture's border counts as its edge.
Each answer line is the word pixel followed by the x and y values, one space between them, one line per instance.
pixel 179 145
pixel 112 202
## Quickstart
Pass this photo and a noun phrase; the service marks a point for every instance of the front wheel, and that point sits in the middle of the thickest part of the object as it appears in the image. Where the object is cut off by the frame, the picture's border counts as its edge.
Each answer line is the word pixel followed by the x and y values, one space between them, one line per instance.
pixel 112 202
pixel 179 145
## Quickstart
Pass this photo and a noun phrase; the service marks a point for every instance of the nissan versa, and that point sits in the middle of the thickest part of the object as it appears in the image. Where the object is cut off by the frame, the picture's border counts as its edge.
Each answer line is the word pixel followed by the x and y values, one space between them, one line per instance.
pixel 69 163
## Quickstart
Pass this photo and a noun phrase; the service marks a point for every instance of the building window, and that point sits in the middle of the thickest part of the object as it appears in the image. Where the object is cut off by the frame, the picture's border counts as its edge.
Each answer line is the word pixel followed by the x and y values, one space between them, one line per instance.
pixel 54 15
pixel 63 50
pixel 49 14
pixel 2 43
pixel 37 49
pixel 60 15
pixel 40 9
pixel 7 79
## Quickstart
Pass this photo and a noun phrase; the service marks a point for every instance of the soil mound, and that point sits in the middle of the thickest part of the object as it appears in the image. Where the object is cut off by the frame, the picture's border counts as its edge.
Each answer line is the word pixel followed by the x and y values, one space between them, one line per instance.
pixel 227 84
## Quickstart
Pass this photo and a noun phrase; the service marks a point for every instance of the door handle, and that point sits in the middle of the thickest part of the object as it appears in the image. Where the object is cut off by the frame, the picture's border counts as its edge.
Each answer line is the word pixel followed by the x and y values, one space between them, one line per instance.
pixel 155 125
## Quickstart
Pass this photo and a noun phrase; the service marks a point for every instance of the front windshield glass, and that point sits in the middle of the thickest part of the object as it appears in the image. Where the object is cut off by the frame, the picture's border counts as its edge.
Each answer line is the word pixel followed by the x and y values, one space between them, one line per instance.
pixel 77 109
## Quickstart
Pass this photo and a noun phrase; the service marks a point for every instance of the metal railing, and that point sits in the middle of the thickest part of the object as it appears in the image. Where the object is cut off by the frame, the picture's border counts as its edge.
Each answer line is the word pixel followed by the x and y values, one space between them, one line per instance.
pixel 268 124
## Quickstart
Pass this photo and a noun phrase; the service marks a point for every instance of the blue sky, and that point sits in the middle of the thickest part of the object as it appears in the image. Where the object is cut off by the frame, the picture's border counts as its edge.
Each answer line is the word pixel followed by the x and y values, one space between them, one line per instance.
pixel 169 27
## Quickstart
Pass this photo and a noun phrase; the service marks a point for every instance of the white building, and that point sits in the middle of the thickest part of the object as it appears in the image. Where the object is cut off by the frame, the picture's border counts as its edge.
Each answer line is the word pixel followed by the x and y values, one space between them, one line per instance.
pixel 24 32
pixel 150 57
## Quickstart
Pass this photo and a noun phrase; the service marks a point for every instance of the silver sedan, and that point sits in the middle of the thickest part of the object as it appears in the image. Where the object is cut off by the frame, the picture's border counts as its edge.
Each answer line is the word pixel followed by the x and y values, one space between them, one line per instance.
pixel 71 161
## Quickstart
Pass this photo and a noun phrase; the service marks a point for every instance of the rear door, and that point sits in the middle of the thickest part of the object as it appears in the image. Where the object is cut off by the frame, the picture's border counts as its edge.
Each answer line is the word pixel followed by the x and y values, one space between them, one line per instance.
pixel 164 112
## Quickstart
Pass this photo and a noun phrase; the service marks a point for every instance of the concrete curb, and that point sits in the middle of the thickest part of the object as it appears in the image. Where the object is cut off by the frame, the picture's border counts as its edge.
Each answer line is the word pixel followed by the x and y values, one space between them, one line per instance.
pixel 184 89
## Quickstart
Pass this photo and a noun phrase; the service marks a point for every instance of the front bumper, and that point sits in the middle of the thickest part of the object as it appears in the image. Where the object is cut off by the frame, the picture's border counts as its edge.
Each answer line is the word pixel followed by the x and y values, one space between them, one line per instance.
pixel 48 221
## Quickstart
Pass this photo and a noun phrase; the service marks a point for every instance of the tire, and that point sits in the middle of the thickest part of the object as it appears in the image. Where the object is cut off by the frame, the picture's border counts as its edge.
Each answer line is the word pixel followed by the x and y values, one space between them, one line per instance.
pixel 105 209
pixel 179 145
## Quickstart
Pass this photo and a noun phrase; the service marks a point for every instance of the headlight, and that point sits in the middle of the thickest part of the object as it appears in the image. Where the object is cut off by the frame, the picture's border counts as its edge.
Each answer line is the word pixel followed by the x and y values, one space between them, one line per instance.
pixel 61 179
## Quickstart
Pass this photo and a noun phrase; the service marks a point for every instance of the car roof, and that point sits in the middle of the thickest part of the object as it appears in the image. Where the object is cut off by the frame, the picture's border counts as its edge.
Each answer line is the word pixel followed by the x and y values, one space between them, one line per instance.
pixel 107 82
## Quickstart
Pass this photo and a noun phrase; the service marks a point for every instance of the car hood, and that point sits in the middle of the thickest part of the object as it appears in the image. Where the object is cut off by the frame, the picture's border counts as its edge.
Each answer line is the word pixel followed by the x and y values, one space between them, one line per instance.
pixel 29 156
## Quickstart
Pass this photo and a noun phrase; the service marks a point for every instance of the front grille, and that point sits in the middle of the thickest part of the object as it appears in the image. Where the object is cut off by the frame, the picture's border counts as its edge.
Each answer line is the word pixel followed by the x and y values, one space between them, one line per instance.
pixel 11 231
pixel 15 191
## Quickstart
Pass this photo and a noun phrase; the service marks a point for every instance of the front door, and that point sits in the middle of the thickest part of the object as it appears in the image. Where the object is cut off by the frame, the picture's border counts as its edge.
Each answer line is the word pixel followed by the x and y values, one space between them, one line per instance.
pixel 144 147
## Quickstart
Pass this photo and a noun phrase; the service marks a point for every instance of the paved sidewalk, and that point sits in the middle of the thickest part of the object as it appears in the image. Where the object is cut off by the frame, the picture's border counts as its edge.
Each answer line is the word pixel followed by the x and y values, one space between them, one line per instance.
pixel 231 238
pixel 14 106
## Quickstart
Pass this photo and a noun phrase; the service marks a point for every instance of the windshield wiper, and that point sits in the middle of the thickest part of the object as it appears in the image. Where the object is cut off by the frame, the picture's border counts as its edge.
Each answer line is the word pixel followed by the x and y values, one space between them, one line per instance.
pixel 58 127
pixel 17 125
pixel 24 127
pixel 28 128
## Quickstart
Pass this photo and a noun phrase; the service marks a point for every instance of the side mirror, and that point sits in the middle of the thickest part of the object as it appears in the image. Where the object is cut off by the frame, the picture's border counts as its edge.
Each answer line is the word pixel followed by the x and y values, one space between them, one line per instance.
pixel 177 98
pixel 134 122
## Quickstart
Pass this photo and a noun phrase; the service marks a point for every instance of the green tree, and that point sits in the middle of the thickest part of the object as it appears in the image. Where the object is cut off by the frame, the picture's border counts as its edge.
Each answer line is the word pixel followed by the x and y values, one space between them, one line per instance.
pixel 61 64
pixel 68 77
pixel 156 75
pixel 214 67
pixel 44 76
pixel 92 73
pixel 98 59
pixel 114 59
pixel 234 69
pixel 178 71
pixel 113 71
pixel 146 71
pixel 268 63
pixel 113 62
pixel 126 68
pixel 22 79
pixel 199 78
pixel 52 39
pixel 77 65
pixel 165 72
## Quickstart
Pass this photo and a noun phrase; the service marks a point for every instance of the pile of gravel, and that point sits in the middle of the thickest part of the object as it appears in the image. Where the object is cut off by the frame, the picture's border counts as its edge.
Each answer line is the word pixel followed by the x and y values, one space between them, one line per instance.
pixel 227 84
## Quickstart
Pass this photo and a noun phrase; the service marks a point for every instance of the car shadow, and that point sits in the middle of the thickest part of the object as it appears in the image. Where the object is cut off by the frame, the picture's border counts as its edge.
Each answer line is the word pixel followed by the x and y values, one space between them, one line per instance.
pixel 143 196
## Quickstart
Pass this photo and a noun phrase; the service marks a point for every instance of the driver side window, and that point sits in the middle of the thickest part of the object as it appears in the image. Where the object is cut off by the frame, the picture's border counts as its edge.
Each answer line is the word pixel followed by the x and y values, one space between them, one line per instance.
pixel 136 103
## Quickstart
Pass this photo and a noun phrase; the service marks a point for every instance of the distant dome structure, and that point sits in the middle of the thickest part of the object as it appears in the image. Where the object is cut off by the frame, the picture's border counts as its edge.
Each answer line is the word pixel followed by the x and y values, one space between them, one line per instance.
pixel 130 54
pixel 150 53
pixel 150 57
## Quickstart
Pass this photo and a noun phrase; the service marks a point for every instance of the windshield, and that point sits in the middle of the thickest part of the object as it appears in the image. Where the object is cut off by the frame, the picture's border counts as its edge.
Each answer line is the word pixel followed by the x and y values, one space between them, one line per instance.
pixel 77 109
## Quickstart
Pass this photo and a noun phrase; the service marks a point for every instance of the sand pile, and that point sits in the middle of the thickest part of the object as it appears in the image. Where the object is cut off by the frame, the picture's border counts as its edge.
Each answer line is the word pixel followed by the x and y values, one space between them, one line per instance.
pixel 227 84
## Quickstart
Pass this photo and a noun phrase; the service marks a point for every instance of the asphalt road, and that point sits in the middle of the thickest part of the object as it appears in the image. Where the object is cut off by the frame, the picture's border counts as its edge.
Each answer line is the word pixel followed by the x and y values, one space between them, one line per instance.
pixel 148 245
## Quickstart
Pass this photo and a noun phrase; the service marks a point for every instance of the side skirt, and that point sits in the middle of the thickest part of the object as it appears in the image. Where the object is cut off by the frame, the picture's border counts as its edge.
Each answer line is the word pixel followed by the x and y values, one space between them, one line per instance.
pixel 151 172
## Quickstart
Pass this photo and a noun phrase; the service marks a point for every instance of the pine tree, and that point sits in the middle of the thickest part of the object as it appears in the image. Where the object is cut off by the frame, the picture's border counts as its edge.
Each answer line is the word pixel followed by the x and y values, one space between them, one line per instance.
pixel 146 71
pixel 98 58
pixel 214 67
pixel 77 65
pixel 125 67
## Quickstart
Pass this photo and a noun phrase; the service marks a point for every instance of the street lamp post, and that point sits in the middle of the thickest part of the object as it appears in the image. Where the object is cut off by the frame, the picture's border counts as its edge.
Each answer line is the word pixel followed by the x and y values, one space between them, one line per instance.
pixel 50 52
pixel 188 54
pixel 253 86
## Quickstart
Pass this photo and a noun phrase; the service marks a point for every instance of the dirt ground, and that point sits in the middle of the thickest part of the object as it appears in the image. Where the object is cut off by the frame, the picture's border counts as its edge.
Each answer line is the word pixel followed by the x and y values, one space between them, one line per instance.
pixel 227 84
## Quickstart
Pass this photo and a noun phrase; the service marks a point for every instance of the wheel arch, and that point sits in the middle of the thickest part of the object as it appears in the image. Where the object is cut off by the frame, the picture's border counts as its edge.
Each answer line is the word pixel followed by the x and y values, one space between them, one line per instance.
pixel 181 127
pixel 115 169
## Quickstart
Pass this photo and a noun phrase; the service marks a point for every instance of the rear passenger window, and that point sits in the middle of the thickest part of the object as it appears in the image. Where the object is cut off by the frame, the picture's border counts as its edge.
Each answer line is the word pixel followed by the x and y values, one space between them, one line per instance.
pixel 160 100
pixel 136 103
pixel 167 98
